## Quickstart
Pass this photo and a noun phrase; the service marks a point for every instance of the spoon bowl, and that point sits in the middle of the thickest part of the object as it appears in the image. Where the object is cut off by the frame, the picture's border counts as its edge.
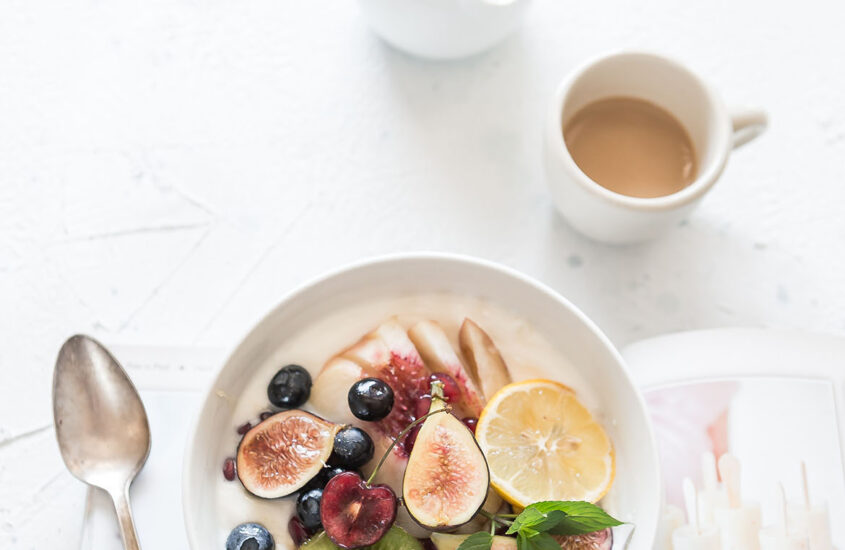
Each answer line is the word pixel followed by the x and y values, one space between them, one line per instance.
pixel 101 424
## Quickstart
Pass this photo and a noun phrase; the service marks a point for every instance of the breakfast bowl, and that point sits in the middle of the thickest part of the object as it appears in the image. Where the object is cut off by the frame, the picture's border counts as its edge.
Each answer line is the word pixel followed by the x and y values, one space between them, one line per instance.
pixel 539 333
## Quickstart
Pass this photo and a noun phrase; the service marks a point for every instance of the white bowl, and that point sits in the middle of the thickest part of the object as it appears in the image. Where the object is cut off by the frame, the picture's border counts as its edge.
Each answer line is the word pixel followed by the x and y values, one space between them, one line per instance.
pixel 636 494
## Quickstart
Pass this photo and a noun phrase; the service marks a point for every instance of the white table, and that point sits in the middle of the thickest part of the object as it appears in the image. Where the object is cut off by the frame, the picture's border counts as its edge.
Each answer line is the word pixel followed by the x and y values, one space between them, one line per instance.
pixel 169 169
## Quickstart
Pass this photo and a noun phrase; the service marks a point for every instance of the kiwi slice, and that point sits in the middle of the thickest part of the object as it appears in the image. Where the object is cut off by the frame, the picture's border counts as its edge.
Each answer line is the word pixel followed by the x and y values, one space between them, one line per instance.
pixel 395 539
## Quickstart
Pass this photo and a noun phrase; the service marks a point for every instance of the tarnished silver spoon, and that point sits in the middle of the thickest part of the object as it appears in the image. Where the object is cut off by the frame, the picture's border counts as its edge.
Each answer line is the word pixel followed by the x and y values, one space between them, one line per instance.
pixel 101 424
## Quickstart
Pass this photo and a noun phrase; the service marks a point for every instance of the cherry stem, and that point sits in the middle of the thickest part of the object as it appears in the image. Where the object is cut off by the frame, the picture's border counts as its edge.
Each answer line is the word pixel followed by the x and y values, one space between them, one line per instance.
pixel 496 518
pixel 399 437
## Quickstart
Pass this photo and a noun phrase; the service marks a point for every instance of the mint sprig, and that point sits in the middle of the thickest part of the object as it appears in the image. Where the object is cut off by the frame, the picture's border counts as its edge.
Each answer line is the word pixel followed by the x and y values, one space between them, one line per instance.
pixel 558 517
pixel 537 523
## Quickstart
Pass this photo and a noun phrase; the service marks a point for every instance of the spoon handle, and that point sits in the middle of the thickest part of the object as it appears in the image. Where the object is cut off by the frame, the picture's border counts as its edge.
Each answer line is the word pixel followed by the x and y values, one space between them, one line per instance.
pixel 124 518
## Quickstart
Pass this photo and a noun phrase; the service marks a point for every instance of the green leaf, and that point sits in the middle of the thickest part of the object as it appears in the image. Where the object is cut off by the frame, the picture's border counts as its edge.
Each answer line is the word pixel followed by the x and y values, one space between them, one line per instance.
pixel 477 541
pixel 537 541
pixel 582 518
pixel 528 518
pixel 563 518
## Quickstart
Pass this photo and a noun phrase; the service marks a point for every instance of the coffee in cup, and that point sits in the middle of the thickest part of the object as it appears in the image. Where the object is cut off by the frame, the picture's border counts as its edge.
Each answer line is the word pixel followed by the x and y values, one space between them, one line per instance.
pixel 632 147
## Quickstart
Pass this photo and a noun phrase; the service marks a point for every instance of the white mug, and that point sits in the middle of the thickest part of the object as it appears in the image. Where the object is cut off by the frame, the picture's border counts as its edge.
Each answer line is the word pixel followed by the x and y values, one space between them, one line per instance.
pixel 610 217
pixel 443 29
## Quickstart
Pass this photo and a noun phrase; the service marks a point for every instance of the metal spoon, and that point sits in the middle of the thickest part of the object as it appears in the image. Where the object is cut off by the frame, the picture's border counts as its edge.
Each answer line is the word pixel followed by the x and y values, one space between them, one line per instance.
pixel 101 424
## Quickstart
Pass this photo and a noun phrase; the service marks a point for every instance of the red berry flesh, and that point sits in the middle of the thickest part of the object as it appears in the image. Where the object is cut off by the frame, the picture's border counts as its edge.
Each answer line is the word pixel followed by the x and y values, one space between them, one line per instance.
pixel 298 532
pixel 451 390
pixel 471 422
pixel 422 406
pixel 243 428
pixel 411 438
pixel 229 469
pixel 355 515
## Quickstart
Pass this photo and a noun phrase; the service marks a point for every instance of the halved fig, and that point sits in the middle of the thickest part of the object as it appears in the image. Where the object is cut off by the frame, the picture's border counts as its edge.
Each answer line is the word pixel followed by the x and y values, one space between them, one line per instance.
pixel 446 480
pixel 440 357
pixel 483 358
pixel 281 454
pixel 443 541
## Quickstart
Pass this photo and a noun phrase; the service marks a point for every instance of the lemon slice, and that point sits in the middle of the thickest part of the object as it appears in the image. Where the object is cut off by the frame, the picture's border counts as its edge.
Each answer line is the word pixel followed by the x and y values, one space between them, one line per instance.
pixel 541 443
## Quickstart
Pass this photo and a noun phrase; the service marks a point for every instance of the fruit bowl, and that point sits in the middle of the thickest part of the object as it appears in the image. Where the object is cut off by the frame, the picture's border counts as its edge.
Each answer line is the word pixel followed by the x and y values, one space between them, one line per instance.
pixel 591 365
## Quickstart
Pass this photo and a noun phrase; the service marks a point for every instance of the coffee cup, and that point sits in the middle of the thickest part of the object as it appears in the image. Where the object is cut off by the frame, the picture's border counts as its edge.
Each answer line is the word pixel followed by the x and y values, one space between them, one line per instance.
pixel 612 217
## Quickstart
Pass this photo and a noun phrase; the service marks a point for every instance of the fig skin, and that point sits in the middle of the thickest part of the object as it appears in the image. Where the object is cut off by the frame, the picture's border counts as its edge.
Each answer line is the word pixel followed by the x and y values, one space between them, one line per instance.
pixel 270 460
pixel 354 514
pixel 444 435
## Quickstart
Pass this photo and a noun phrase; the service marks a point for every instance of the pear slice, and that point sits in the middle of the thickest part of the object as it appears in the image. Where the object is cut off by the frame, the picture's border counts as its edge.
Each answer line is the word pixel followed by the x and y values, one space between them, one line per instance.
pixel 447 479
pixel 439 356
pixel 483 358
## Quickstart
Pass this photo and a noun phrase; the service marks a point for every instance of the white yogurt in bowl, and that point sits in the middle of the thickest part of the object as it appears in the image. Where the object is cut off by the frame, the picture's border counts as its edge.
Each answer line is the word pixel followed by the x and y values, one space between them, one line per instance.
pixel 539 334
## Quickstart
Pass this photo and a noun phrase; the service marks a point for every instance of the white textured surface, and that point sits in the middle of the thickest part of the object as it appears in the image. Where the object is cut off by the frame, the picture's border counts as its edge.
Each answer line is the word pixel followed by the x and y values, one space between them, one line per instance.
pixel 170 168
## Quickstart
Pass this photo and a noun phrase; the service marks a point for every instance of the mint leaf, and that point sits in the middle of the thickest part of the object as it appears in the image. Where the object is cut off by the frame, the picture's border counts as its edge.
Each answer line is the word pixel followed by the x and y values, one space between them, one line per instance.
pixel 537 541
pixel 562 518
pixel 477 541
pixel 536 521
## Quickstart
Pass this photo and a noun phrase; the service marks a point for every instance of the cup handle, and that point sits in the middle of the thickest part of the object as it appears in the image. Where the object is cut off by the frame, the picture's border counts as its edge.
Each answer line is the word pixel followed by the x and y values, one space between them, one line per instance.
pixel 747 125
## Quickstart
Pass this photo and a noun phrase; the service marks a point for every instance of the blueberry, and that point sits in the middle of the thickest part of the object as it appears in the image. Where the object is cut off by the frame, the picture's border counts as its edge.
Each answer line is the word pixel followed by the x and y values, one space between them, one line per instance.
pixel 370 399
pixel 308 508
pixel 290 388
pixel 352 448
pixel 250 536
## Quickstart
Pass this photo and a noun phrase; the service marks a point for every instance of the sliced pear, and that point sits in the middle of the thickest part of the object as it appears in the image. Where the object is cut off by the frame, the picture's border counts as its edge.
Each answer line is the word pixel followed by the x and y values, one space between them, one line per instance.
pixel 442 541
pixel 337 376
pixel 483 358
pixel 439 356
pixel 447 479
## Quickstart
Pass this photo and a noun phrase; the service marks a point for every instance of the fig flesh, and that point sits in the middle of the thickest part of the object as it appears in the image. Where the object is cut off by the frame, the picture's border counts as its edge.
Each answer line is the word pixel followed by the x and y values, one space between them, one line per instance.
pixel 280 455
pixel 443 541
pixel 355 514
pixel 483 358
pixel 447 479
pixel 395 539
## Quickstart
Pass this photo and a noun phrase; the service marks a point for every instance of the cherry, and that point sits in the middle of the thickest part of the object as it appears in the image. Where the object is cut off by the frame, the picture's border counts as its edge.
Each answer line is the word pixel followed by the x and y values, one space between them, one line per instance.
pixel 298 532
pixel 451 390
pixel 354 513
pixel 471 423
pixel 229 469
